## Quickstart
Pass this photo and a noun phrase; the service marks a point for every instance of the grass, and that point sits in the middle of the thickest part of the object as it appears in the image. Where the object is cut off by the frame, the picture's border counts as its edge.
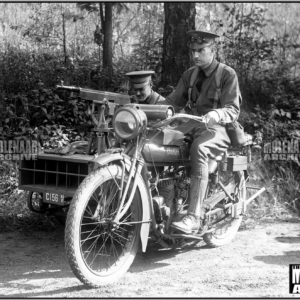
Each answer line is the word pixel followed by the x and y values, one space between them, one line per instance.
pixel 282 201
pixel 15 215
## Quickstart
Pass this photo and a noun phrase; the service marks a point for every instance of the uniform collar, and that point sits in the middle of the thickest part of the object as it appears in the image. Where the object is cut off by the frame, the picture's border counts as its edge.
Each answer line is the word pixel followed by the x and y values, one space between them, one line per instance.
pixel 207 71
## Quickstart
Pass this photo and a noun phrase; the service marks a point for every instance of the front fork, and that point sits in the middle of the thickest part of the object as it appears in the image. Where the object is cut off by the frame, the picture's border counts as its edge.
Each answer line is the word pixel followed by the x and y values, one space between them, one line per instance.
pixel 135 170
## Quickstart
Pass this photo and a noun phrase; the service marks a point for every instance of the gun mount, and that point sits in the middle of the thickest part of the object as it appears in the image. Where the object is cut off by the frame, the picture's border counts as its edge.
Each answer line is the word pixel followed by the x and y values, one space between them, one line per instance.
pixel 104 105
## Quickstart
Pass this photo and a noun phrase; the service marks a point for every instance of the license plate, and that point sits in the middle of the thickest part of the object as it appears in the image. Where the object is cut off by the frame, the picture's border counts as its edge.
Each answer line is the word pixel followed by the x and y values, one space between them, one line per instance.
pixel 54 198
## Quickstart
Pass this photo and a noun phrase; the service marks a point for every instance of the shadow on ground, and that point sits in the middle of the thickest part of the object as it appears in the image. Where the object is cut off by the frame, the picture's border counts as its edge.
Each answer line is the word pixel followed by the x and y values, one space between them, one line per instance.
pixel 290 257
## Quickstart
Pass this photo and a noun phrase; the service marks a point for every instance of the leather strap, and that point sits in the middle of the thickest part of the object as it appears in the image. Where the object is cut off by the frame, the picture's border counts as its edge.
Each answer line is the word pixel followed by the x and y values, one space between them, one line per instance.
pixel 190 103
pixel 218 77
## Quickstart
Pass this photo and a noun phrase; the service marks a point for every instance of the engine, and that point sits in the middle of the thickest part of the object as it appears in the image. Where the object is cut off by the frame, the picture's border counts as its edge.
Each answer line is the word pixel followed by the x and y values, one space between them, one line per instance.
pixel 170 194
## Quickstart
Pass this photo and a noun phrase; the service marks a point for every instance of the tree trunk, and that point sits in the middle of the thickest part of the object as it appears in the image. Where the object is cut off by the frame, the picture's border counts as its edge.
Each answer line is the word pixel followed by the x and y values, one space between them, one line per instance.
pixel 101 15
pixel 64 34
pixel 179 18
pixel 107 46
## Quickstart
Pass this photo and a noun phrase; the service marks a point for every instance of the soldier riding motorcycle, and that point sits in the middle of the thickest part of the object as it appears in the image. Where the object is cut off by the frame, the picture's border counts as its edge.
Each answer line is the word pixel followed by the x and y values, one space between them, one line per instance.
pixel 140 188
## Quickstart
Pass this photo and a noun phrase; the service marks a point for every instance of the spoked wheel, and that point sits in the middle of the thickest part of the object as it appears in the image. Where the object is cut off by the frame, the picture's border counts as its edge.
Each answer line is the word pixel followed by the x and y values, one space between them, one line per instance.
pixel 101 251
pixel 224 227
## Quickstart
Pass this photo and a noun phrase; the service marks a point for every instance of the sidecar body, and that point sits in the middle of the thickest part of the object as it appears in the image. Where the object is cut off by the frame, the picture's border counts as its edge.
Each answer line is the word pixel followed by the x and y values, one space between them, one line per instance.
pixel 55 177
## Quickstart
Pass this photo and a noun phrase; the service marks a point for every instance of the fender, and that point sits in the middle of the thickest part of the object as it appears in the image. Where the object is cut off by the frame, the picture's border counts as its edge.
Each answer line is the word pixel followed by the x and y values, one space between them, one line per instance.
pixel 107 158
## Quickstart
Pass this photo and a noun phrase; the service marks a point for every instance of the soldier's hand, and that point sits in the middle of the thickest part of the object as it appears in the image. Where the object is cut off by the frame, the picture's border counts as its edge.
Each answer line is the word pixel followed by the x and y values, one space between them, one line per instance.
pixel 212 118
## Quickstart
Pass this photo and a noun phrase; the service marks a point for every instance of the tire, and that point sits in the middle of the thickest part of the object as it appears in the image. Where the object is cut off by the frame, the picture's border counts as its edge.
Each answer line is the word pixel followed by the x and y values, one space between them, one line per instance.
pixel 35 202
pixel 98 253
pixel 227 229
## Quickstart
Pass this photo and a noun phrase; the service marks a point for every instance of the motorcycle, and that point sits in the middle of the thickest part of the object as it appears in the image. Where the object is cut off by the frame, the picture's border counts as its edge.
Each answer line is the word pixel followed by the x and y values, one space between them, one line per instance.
pixel 140 186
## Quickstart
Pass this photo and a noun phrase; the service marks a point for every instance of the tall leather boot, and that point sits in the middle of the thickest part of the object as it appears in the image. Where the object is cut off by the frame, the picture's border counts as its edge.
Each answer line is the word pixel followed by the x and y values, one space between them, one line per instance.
pixel 192 221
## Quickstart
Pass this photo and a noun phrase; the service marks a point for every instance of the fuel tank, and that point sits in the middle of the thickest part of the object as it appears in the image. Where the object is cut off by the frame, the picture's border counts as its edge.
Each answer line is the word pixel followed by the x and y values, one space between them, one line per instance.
pixel 165 153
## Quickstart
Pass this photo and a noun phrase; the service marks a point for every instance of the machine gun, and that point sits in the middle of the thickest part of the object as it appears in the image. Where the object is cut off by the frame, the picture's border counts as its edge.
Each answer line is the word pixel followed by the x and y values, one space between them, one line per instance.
pixel 104 105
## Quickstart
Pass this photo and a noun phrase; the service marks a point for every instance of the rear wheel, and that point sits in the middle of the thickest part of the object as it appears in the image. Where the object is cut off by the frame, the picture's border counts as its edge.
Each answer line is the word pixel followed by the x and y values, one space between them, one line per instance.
pixel 222 225
pixel 100 251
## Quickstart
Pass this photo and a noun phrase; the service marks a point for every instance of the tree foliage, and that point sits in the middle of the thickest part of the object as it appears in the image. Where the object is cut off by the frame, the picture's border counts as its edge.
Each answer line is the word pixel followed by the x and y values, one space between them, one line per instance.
pixel 260 41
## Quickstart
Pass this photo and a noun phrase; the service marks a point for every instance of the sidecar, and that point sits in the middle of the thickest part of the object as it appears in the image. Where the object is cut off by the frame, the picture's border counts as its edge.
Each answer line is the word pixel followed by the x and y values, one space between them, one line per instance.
pixel 55 178
pixel 52 179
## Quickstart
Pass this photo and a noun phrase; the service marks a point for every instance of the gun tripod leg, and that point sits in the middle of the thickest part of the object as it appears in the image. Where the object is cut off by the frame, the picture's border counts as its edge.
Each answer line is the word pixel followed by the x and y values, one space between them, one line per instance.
pixel 90 142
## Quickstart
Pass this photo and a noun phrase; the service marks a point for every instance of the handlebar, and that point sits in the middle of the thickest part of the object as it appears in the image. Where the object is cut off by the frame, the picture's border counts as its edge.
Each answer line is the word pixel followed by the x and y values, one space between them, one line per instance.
pixel 177 120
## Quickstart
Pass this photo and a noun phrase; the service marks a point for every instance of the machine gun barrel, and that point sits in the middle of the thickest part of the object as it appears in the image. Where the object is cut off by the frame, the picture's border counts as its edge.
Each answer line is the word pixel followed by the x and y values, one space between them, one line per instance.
pixel 97 96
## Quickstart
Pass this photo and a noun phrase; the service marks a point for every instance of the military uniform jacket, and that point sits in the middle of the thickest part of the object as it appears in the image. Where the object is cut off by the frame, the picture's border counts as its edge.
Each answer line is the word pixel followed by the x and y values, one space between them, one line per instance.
pixel 204 90
pixel 152 99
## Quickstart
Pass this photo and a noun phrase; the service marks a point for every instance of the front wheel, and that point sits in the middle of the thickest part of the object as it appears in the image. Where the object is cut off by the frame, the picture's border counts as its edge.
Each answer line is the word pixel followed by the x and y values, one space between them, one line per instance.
pixel 100 251
pixel 225 226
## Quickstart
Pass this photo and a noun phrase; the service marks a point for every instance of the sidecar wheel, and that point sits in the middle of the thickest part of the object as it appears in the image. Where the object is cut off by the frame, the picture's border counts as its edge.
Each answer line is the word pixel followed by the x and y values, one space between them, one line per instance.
pixel 99 252
pixel 227 229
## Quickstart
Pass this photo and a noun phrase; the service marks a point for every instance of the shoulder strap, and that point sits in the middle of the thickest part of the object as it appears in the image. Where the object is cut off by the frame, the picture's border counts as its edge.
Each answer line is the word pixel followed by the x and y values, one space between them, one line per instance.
pixel 192 81
pixel 159 98
pixel 218 77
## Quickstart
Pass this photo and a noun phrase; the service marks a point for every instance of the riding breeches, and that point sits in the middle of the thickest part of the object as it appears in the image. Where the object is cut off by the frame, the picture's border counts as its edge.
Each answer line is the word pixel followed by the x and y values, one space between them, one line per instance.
pixel 208 143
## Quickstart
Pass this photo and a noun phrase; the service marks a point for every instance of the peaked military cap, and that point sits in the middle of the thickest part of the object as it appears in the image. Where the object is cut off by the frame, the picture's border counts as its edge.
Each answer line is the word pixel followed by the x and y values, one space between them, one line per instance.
pixel 139 78
pixel 200 39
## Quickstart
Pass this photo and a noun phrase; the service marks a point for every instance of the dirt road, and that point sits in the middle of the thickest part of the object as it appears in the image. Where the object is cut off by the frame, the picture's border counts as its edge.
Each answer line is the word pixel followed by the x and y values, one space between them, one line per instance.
pixel 255 264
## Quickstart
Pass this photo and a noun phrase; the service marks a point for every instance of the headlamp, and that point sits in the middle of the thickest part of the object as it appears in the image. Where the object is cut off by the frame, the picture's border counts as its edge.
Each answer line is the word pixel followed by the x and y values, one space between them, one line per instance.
pixel 129 122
